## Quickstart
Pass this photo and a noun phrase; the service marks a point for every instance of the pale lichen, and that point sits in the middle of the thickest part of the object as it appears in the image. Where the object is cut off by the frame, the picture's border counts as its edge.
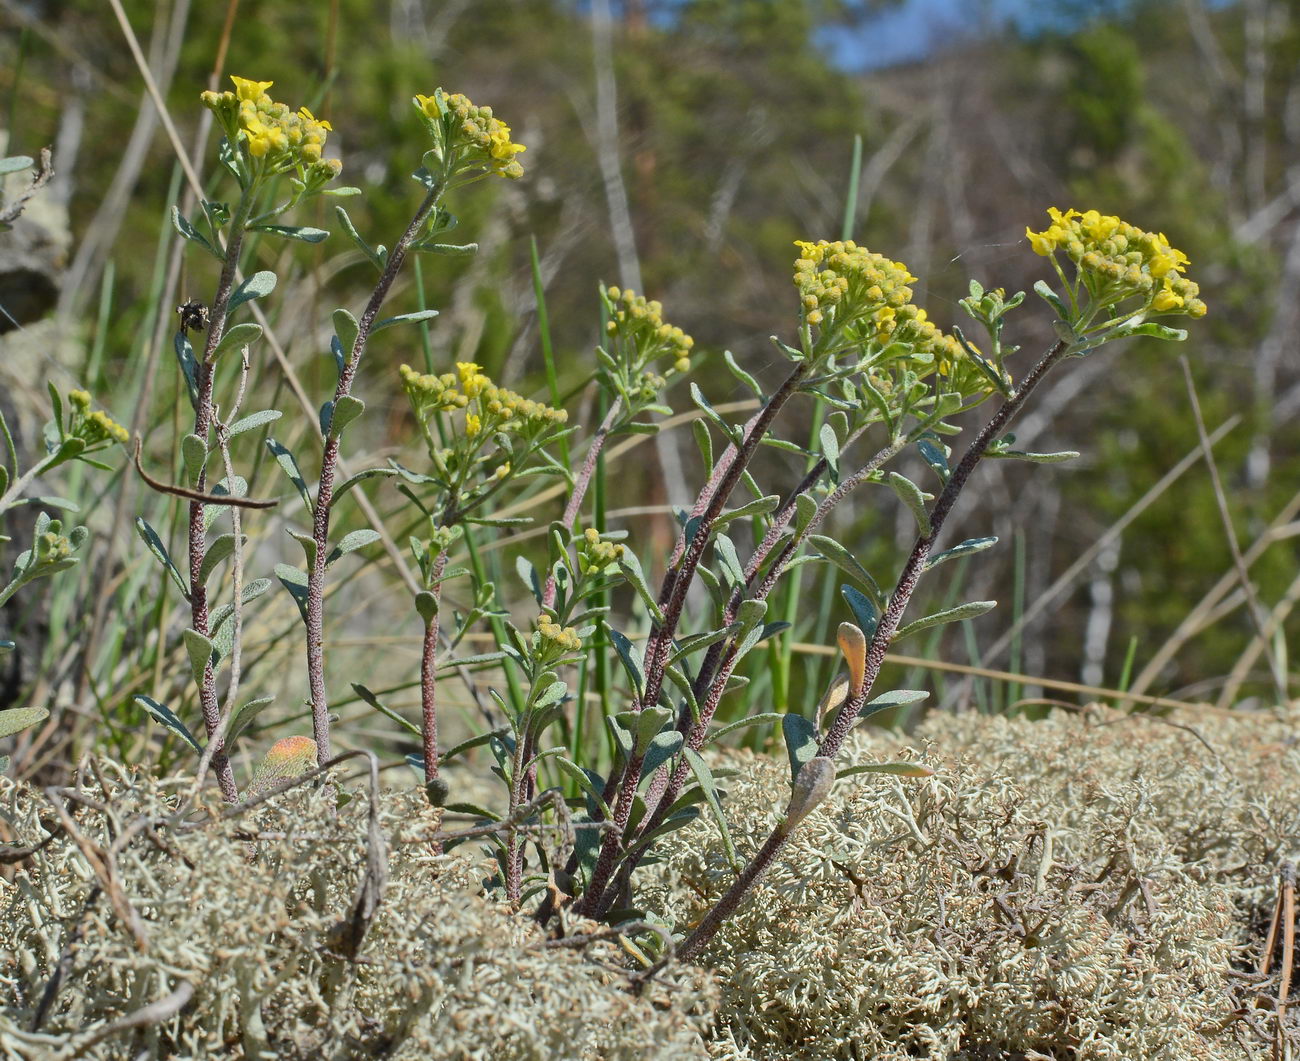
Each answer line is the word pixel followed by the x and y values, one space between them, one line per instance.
pixel 1081 887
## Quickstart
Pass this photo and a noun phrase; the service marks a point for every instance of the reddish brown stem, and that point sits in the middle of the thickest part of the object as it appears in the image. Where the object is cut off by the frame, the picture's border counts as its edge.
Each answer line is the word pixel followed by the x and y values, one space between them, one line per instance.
pixel 429 677
pixel 884 633
pixel 209 705
pixel 580 484
pixel 321 510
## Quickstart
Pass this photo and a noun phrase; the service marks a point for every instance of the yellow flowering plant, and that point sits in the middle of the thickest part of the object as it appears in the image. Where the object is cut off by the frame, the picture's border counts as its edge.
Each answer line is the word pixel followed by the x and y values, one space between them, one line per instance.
pixel 601 647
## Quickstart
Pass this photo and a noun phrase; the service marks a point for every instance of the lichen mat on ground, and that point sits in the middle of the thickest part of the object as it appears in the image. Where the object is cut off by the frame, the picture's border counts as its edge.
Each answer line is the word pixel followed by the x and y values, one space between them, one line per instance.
pixel 1089 886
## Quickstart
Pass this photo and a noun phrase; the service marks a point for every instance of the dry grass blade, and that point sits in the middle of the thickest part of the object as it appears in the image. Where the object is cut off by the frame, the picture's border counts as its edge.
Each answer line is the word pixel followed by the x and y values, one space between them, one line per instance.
pixel 1221 500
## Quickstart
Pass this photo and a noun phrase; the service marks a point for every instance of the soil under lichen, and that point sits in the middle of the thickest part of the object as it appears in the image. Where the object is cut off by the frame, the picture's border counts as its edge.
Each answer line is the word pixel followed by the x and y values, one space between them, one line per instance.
pixel 1092 885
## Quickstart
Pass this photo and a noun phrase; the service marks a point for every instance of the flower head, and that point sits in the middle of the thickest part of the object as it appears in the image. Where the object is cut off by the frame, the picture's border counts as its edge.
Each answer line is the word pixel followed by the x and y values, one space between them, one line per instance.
pixel 637 325
pixel 273 133
pixel 1117 261
pixel 473 135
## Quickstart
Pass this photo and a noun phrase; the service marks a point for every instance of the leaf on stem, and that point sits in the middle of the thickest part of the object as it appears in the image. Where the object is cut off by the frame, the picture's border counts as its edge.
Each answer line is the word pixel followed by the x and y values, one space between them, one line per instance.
pixel 165 717
pixel 968 610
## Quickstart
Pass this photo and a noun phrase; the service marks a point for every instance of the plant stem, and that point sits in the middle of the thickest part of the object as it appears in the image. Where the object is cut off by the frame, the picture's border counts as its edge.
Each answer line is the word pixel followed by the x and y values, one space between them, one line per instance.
pixel 888 626
pixel 580 485
pixel 428 675
pixel 325 491
pixel 203 413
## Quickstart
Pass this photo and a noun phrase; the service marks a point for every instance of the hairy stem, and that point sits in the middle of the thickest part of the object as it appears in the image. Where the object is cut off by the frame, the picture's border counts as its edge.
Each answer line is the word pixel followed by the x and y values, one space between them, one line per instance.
pixel 197 538
pixel 884 633
pixel 429 678
pixel 580 484
pixel 325 490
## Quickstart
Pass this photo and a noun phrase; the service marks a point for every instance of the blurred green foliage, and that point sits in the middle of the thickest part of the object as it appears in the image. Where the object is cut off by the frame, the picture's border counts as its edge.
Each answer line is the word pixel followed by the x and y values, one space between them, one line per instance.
pixel 735 138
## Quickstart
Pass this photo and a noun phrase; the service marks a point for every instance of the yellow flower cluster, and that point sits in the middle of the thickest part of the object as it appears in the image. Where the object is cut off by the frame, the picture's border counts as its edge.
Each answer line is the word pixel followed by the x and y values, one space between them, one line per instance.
pixel 851 282
pixel 640 322
pixel 595 554
pixel 499 407
pixel 486 136
pixel 271 130
pixel 429 393
pixel 1121 260
pixel 494 408
pixel 93 428
pixel 563 637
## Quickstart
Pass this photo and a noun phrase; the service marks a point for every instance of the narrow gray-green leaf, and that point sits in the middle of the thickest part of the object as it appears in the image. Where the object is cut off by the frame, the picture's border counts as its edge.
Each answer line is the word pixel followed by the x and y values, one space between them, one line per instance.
pixel 18 719
pixel 237 336
pixel 968 610
pixel 155 546
pixel 405 318
pixel 163 715
pixel 357 539
pixel 966 548
pixel 256 286
pixel 913 497
pixel 289 465
pixel 710 789
pixel 304 233
pixel 253 421
pixel 221 547
pixel 199 649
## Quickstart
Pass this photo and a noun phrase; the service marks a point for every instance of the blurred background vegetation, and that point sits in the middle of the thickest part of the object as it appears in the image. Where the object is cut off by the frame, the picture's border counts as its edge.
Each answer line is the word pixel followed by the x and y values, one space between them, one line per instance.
pixel 679 147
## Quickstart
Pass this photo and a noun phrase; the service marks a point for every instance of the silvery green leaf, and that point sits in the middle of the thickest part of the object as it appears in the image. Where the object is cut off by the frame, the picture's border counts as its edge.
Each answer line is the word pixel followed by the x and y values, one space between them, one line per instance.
pixel 346 409
pixel 308 543
pixel 199 649
pixel 165 717
pixel 189 367
pixel 833 551
pixel 405 318
pixel 897 698
pixel 631 568
pixel 221 629
pixel 223 489
pixel 253 421
pixel 765 719
pixel 760 506
pixel 304 233
pixel 194 452
pixel 865 613
pixel 966 548
pixel 969 610
pixel 800 741
pixel 933 455
pixel 155 546
pixel 703 440
pixel 663 746
pixel 1043 291
pixel 289 465
pixel 361 476
pixel 805 508
pixel 896 769
pixel 913 497
pixel 355 236
pixel 728 560
pixel 630 659
pixel 1034 458
pixel 357 539
pixel 741 374
pixel 189 232
pixel 17 719
pixel 221 547
pixel 235 337
pixel 256 286
pixel 15 164
pixel 294 579
pixel 346 329
pixel 426 605
pixel 830 450
pixel 244 717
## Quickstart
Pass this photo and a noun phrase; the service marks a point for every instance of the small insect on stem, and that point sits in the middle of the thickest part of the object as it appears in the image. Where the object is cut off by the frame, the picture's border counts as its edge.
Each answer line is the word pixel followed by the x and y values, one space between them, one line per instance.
pixel 193 315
